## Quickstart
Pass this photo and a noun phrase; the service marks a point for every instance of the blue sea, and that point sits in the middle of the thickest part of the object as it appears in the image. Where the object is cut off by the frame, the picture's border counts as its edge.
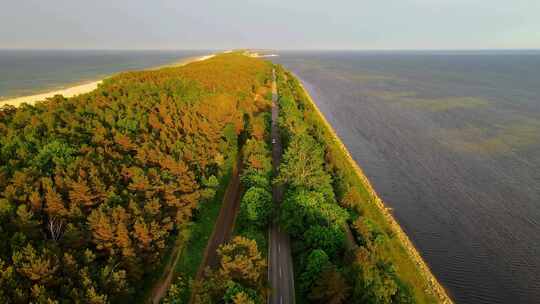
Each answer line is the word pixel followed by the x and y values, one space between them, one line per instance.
pixel 25 72
pixel 451 141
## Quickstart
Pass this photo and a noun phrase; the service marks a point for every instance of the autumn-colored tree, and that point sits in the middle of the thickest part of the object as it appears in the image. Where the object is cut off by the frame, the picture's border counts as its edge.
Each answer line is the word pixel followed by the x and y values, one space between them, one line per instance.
pixel 102 229
pixel 240 275
pixel 259 128
pixel 242 298
pixel 257 155
pixel 375 281
pixel 331 288
pixel 39 267
pixel 92 187
pixel 242 261
pixel 81 194
pixel 352 198
pixel 54 204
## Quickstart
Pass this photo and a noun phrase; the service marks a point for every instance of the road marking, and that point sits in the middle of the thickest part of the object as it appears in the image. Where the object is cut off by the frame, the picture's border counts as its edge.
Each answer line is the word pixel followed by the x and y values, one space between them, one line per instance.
pixel 280 272
pixel 279 247
pixel 281 300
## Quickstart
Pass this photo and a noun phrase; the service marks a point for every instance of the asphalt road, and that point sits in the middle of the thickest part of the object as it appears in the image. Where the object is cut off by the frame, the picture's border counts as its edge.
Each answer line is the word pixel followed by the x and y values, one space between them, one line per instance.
pixel 280 266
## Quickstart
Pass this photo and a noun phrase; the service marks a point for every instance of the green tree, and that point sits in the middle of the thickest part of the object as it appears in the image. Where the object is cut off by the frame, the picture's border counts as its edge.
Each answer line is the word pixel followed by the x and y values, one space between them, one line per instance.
pixel 375 280
pixel 302 209
pixel 55 153
pixel 331 239
pixel 255 207
pixel 316 262
pixel 237 293
pixel 210 184
pixel 299 210
pixel 331 288
pixel 303 166
pixel 255 178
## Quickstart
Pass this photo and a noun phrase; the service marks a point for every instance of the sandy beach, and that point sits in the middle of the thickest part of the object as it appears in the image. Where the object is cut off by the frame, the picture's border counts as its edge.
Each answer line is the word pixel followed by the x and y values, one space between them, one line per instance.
pixel 183 61
pixel 69 92
pixel 82 88
pixel 201 58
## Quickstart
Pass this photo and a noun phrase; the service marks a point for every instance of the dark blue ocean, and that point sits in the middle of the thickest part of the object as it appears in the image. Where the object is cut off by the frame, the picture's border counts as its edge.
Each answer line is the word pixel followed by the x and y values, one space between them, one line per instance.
pixel 451 141
pixel 24 72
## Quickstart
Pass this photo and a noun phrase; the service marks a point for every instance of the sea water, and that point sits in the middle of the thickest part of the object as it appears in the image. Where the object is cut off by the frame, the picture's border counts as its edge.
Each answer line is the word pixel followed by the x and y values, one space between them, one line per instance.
pixel 451 141
pixel 25 72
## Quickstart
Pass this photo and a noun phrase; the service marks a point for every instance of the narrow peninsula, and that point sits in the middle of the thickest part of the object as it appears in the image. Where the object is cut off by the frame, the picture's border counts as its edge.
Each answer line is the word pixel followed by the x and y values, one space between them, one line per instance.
pixel 215 181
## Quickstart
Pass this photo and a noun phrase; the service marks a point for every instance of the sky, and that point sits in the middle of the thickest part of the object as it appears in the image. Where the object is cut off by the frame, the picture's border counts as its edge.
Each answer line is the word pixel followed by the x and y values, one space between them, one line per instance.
pixel 276 24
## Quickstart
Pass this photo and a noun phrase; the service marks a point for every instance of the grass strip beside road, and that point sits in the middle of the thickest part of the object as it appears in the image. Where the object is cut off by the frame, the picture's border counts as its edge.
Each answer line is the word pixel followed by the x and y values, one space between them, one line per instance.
pixel 198 235
pixel 193 238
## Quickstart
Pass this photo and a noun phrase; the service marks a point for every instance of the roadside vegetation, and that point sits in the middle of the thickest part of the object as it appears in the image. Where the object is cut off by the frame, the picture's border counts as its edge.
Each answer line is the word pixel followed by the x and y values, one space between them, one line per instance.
pixel 196 236
pixel 95 190
pixel 104 193
pixel 344 249
pixel 241 273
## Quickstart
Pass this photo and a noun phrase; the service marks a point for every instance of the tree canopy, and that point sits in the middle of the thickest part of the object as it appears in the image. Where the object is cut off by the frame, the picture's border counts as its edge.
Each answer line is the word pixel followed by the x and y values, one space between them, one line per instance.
pixel 339 253
pixel 94 188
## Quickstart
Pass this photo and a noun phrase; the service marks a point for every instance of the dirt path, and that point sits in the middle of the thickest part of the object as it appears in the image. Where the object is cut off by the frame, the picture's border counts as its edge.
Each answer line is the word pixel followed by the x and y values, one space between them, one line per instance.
pixel 350 242
pixel 160 289
pixel 225 222
pixel 222 232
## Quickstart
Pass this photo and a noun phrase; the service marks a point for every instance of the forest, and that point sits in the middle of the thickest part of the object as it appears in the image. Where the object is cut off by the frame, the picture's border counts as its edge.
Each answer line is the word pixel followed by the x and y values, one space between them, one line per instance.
pixel 99 190
pixel 95 189
pixel 241 276
pixel 344 250
pixel 241 273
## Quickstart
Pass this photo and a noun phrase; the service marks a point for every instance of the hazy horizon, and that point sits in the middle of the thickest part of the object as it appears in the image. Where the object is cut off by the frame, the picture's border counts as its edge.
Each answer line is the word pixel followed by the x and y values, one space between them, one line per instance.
pixel 277 24
pixel 278 49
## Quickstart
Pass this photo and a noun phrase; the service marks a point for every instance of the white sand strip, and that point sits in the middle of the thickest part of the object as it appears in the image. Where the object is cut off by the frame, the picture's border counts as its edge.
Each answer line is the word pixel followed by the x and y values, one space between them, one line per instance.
pixel 78 89
pixel 69 92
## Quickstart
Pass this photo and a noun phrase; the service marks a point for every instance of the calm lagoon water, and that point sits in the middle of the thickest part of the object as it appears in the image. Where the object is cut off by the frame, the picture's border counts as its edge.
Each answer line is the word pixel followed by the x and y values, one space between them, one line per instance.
pixel 24 72
pixel 451 141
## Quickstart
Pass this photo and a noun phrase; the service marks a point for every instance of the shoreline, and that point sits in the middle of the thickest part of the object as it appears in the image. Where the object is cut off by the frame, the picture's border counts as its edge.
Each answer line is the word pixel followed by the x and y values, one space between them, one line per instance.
pixel 67 92
pixel 438 290
pixel 86 87
pixel 181 62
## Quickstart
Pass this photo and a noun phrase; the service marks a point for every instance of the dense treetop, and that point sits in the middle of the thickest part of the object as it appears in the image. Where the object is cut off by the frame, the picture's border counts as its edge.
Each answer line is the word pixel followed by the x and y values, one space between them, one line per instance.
pixel 343 250
pixel 93 188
